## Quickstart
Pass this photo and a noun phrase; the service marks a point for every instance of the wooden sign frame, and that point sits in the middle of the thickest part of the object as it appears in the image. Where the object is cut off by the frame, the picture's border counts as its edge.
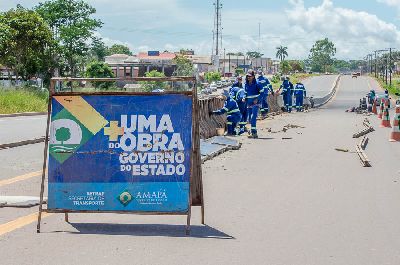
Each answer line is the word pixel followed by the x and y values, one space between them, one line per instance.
pixel 196 196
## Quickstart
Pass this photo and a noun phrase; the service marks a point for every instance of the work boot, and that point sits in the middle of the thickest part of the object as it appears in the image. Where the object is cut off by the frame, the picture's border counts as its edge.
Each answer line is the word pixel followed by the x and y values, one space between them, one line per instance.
pixel 253 135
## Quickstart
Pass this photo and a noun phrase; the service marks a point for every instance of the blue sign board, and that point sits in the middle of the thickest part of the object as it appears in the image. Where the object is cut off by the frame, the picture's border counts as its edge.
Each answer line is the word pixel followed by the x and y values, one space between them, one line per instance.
pixel 120 153
pixel 153 53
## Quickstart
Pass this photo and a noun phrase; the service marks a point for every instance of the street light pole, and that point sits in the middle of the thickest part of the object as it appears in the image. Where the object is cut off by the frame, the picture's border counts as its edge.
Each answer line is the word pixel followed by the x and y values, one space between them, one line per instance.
pixel 224 64
pixel 375 65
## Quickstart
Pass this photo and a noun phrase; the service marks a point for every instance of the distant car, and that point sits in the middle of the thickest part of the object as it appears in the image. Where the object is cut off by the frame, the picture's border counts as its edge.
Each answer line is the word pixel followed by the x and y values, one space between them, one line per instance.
pixel 206 90
pixel 213 87
pixel 219 84
pixel 158 90
pixel 354 75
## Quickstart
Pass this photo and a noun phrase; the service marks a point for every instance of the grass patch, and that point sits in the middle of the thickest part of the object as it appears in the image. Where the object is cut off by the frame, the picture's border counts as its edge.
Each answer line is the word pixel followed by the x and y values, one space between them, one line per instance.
pixel 22 100
pixel 394 88
pixel 293 78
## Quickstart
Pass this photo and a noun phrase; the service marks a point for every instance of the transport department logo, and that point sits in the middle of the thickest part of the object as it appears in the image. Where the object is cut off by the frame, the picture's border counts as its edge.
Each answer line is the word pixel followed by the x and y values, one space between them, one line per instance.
pixel 125 198
pixel 73 126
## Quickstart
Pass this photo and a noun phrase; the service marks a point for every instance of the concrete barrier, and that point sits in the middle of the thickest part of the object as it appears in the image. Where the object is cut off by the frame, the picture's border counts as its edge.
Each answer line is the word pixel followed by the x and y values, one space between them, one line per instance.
pixel 318 102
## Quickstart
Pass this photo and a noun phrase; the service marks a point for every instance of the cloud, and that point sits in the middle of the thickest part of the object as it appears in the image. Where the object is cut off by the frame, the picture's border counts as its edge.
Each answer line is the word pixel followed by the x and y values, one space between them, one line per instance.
pixel 395 3
pixel 354 33
pixel 391 3
pixel 109 42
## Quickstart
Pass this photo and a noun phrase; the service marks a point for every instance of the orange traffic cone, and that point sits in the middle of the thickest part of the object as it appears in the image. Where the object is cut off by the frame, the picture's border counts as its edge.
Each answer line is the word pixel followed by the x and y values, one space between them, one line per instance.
pixel 382 109
pixel 395 135
pixel 374 108
pixel 386 118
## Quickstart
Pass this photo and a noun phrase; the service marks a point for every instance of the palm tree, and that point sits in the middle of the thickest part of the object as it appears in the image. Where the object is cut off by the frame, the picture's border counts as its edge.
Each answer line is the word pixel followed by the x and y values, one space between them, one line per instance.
pixel 281 53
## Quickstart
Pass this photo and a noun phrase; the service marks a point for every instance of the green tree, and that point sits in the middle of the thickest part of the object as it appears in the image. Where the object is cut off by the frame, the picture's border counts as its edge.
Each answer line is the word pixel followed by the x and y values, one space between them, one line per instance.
pixel 281 53
pixel 184 67
pixel 63 134
pixel 98 50
pixel 321 55
pixel 254 55
pixel 72 26
pixel 285 67
pixel 24 38
pixel 149 86
pixel 296 66
pixel 212 76
pixel 119 49
pixel 239 71
pixel 100 70
pixel 185 51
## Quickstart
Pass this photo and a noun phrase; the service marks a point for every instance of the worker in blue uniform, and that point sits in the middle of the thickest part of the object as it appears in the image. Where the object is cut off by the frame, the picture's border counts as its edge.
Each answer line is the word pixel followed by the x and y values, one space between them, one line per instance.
pixel 299 93
pixel 371 96
pixel 233 117
pixel 253 99
pixel 387 97
pixel 266 89
pixel 239 95
pixel 287 93
pixel 238 82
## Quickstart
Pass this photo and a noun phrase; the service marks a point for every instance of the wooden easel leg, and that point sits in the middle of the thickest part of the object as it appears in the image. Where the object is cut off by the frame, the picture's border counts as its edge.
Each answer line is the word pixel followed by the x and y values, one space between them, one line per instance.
pixel 46 145
pixel 188 221
pixel 39 220
pixel 66 217
pixel 202 214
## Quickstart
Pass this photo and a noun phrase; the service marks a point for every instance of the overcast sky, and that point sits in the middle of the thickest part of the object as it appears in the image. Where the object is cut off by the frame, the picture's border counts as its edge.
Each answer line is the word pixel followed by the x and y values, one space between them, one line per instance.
pixel 356 27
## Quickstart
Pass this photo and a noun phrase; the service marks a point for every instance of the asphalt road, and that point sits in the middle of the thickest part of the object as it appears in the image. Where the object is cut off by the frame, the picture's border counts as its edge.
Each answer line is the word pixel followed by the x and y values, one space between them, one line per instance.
pixel 14 129
pixel 319 86
pixel 275 201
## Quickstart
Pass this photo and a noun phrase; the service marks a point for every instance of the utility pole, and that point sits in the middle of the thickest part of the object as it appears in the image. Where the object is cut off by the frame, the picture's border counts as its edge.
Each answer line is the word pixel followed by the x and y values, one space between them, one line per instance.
pixel 375 65
pixel 376 59
pixel 390 65
pixel 212 47
pixel 370 63
pixel 229 62
pixel 223 72
pixel 217 26
pixel 259 37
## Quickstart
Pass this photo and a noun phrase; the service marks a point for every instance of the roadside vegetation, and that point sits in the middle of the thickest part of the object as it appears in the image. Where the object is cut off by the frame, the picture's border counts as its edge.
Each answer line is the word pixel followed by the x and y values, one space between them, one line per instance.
pixel 294 78
pixel 23 100
pixel 394 88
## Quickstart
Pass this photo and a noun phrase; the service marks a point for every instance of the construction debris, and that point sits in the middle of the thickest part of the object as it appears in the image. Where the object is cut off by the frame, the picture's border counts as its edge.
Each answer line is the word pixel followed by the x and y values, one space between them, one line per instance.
pixel 21 143
pixel 287 127
pixel 294 126
pixel 363 157
pixel 217 145
pixel 364 142
pixel 364 132
pixel 19 201
pixel 366 123
pixel 342 150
